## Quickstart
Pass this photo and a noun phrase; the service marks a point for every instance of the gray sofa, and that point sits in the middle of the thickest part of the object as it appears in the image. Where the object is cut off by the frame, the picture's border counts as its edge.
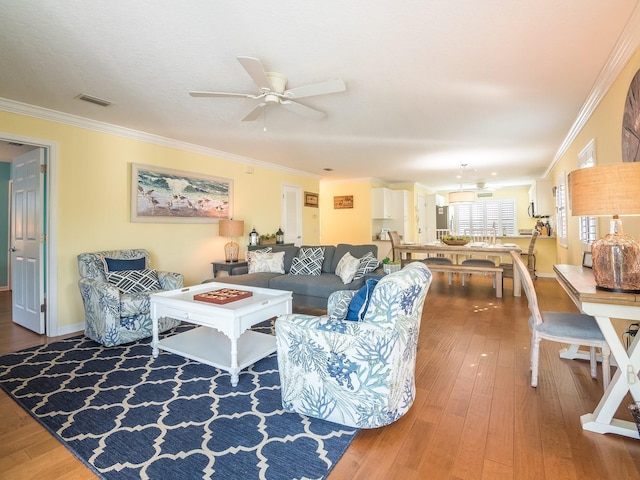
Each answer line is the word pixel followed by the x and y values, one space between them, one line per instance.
pixel 308 290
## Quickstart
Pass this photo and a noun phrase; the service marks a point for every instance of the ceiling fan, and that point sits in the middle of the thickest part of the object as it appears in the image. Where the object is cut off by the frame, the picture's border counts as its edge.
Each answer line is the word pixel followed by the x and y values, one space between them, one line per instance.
pixel 273 91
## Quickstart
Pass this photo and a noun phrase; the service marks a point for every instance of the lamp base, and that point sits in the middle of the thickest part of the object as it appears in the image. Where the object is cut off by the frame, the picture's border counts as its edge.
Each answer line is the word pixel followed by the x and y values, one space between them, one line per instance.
pixel 616 263
pixel 231 250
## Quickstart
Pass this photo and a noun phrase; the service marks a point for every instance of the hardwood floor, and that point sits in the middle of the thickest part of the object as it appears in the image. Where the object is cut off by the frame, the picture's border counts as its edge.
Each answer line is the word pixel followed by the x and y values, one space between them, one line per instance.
pixel 475 415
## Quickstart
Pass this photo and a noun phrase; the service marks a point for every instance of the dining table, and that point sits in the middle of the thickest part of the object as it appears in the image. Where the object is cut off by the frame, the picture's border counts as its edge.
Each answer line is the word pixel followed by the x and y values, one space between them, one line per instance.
pixel 580 285
pixel 458 253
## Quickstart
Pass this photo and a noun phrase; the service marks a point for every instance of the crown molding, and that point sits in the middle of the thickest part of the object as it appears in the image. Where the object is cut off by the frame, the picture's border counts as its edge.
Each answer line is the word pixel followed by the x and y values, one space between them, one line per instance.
pixel 626 46
pixel 41 113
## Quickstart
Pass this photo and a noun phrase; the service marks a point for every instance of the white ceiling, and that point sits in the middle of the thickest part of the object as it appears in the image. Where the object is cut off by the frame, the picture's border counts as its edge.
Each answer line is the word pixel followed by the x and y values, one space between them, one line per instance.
pixel 431 84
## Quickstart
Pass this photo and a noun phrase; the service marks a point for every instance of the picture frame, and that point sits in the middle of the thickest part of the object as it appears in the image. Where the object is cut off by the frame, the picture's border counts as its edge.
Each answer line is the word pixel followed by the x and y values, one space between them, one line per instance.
pixel 163 195
pixel 310 199
pixel 587 260
pixel 343 201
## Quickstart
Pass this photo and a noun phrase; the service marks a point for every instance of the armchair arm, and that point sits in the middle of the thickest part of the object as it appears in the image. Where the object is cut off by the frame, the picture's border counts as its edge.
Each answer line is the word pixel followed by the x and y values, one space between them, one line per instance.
pixel 101 302
pixel 338 370
pixel 170 280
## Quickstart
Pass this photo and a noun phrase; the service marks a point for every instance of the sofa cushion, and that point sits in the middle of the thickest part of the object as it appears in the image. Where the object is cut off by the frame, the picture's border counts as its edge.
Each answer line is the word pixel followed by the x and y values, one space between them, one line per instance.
pixel 367 263
pixel 347 267
pixel 134 281
pixel 321 285
pixel 120 264
pixel 308 262
pixel 357 251
pixel 360 301
pixel 269 262
pixel 290 252
pixel 260 279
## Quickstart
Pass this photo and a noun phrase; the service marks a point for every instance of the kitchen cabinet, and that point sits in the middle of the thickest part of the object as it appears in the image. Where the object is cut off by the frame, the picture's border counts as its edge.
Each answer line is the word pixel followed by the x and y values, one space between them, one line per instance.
pixel 391 211
pixel 541 203
pixel 382 203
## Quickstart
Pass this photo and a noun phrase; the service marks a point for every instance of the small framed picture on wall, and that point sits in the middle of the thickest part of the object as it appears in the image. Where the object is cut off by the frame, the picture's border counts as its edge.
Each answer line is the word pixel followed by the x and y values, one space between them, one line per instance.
pixel 310 199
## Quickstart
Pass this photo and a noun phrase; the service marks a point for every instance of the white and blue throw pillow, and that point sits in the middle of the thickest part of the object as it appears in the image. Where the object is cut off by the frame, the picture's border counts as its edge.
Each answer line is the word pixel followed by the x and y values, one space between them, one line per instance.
pixel 134 281
pixel 368 263
pixel 308 262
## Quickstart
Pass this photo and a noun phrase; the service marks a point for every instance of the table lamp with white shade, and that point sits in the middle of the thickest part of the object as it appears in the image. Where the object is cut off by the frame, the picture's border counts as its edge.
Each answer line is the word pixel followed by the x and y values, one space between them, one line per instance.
pixel 612 189
pixel 233 229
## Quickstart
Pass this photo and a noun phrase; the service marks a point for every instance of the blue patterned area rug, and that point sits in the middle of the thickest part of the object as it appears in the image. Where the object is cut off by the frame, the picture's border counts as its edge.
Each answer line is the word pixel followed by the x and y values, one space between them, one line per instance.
pixel 128 416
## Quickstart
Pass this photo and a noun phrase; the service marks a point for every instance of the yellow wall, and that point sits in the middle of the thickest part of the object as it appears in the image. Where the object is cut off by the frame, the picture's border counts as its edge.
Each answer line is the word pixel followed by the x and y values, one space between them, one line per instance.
pixel 348 225
pixel 94 188
pixel 605 125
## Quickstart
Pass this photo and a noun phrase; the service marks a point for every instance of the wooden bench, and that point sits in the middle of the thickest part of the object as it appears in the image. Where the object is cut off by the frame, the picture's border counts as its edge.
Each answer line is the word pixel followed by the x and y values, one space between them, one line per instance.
pixel 468 269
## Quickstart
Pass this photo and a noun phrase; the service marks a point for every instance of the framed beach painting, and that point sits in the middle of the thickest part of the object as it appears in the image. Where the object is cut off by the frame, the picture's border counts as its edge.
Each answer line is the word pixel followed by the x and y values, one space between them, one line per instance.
pixel 164 195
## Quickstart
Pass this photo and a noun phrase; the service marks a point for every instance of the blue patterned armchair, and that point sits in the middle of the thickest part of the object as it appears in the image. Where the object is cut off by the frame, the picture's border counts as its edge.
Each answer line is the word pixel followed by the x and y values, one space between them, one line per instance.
pixel 356 373
pixel 116 303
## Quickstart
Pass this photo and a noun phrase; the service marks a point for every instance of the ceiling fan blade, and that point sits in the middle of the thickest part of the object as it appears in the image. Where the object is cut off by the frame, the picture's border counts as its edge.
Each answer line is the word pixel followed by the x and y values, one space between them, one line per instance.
pixel 223 94
pixel 254 68
pixel 255 113
pixel 302 109
pixel 330 86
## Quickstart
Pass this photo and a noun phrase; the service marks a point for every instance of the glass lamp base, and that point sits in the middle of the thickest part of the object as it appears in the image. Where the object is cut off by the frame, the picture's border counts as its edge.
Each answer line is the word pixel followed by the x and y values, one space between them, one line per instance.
pixel 616 263
pixel 231 250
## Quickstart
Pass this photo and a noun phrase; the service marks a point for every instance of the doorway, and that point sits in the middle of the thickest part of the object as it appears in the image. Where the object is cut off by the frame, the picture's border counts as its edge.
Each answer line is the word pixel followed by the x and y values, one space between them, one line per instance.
pixel 45 275
pixel 292 213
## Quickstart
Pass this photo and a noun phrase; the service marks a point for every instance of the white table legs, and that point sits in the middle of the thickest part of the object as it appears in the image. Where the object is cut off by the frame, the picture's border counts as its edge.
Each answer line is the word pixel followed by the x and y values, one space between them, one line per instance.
pixel 625 380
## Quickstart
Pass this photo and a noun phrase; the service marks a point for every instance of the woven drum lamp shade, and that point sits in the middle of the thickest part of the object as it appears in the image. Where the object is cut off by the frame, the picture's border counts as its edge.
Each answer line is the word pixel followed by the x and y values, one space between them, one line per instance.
pixel 462 196
pixel 612 189
pixel 231 228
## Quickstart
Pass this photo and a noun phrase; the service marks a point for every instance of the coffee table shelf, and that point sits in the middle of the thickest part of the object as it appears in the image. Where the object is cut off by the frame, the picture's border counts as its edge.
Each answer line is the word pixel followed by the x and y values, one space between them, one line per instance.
pixel 196 344
pixel 223 339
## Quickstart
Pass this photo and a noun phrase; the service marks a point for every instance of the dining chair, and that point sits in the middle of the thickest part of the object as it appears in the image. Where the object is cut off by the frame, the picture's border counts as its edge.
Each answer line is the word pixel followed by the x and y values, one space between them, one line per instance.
pixel 395 242
pixel 562 327
pixel 483 237
pixel 507 268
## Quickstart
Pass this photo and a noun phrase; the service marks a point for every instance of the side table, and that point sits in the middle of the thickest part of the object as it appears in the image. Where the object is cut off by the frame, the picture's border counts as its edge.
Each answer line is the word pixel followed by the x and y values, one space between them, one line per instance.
pixel 224 266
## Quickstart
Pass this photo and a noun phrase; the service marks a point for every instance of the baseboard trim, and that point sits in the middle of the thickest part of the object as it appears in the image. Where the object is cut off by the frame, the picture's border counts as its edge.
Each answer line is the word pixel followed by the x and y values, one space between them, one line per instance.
pixel 68 329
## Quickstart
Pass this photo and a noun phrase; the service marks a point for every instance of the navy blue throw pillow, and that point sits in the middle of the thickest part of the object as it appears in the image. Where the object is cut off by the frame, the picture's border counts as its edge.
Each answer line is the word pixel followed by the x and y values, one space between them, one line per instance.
pixel 120 264
pixel 360 301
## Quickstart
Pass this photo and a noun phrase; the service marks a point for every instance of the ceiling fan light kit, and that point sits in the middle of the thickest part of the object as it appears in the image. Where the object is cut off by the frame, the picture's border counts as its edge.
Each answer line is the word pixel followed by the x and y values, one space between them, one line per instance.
pixel 273 91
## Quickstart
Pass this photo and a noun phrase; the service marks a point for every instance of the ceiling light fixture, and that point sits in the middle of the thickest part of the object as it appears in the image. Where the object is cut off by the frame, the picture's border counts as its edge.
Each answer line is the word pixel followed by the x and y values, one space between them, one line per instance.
pixel 462 196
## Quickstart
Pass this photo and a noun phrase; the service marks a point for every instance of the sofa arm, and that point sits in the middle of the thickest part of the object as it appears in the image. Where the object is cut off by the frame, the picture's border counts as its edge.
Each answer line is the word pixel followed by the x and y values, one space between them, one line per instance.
pixel 239 270
pixel 170 280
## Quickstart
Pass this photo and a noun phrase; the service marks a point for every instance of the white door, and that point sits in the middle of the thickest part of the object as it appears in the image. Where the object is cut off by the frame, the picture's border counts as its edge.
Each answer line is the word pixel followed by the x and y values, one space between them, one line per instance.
pixel 27 241
pixel 422 219
pixel 292 214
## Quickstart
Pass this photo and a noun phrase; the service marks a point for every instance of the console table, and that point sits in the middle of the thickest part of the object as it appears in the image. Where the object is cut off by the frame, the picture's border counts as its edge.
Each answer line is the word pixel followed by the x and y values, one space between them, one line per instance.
pixel 580 285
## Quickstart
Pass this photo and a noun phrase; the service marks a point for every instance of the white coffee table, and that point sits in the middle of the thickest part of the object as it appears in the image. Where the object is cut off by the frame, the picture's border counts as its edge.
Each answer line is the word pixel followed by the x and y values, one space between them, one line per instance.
pixel 223 340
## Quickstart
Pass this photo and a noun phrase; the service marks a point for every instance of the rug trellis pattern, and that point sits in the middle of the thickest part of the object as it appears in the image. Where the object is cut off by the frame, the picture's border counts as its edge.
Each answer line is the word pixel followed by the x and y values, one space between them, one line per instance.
pixel 129 416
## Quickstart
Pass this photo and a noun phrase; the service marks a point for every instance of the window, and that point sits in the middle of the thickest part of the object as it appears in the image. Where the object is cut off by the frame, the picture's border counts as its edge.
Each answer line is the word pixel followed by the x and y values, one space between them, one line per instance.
pixel 561 210
pixel 586 159
pixel 482 215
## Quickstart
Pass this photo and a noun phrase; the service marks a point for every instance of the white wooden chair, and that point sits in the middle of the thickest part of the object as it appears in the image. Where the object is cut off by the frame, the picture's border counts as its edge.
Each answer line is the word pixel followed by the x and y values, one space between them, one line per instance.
pixel 484 236
pixel 563 327
pixel 395 242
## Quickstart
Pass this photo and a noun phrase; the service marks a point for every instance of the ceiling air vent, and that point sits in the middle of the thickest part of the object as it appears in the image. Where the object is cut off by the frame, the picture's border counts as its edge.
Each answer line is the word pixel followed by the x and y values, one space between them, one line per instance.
pixel 94 100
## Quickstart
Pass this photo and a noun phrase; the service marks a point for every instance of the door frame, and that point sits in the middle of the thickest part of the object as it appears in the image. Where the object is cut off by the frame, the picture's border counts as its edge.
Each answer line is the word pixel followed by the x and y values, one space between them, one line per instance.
pixel 50 229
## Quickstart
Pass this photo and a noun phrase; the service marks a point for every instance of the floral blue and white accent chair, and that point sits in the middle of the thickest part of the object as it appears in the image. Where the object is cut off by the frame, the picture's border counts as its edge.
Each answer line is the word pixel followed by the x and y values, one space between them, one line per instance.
pixel 115 287
pixel 356 373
